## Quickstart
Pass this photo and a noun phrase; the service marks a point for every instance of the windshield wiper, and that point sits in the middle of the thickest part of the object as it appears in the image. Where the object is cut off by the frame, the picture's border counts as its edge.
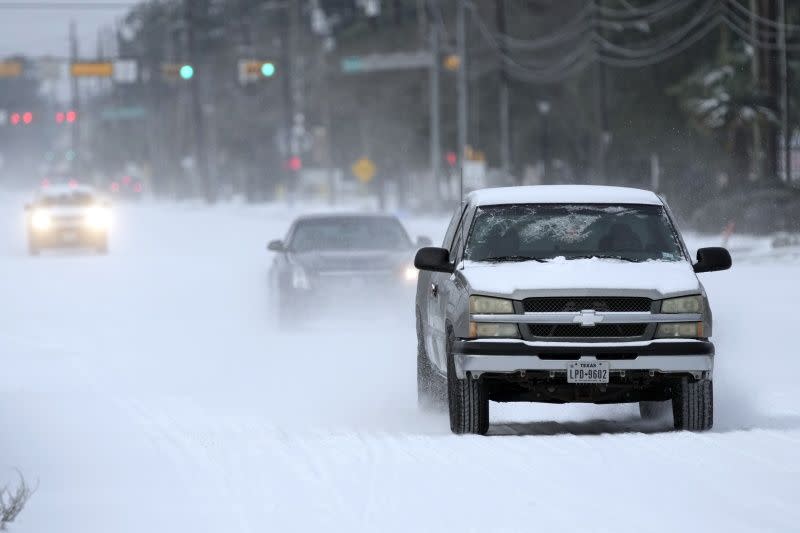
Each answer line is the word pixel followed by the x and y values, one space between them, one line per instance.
pixel 606 256
pixel 519 258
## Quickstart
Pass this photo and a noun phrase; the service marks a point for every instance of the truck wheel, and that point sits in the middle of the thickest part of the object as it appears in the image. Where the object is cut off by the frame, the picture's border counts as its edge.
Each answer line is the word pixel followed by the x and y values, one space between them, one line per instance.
pixel 467 401
pixel 654 410
pixel 693 405
pixel 430 390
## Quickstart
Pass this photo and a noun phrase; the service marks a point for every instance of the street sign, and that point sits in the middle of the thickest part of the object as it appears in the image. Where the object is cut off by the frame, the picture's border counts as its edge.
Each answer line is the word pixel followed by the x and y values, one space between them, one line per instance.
pixel 383 62
pixel 364 169
pixel 123 113
pixel 126 71
pixel 10 69
pixel 92 69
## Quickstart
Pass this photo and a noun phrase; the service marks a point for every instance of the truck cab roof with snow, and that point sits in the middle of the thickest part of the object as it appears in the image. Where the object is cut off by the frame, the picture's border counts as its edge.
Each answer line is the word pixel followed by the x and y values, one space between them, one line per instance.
pixel 563 194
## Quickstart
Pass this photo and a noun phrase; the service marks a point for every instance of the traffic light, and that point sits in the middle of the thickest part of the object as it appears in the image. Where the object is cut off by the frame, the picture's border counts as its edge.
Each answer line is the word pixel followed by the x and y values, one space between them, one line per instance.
pixel 66 116
pixel 25 118
pixel 451 158
pixel 268 70
pixel 186 72
pixel 15 119
pixel 294 163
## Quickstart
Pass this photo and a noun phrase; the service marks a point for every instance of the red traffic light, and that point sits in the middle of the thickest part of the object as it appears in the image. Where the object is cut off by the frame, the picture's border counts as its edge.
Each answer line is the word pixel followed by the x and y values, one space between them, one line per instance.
pixel 15 118
pixel 27 117
pixel 60 117
pixel 71 116
pixel 294 163
pixel 451 158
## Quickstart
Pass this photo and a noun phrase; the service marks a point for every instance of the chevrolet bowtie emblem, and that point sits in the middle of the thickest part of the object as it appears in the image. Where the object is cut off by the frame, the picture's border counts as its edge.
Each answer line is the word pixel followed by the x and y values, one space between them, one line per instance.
pixel 588 318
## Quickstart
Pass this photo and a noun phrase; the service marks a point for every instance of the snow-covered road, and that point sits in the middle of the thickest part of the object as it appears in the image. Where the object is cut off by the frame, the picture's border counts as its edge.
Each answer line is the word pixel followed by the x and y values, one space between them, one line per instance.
pixel 148 391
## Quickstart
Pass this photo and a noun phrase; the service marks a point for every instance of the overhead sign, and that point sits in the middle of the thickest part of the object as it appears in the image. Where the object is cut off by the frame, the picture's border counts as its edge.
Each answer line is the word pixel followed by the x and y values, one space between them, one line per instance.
pixel 383 62
pixel 123 113
pixel 91 70
pixel 10 69
pixel 364 169
pixel 126 71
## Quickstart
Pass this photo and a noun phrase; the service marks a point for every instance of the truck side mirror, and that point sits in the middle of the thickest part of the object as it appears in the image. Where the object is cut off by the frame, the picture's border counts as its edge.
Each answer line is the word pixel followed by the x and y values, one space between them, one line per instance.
pixel 712 259
pixel 433 259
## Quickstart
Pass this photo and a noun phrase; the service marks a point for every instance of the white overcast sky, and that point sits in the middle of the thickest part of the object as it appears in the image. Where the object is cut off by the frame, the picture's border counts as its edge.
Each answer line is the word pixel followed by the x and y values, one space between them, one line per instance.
pixel 38 32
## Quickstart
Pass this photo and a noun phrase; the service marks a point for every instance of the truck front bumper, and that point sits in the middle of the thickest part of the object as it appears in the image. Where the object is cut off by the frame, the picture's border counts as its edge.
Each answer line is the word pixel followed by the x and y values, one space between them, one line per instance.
pixel 505 357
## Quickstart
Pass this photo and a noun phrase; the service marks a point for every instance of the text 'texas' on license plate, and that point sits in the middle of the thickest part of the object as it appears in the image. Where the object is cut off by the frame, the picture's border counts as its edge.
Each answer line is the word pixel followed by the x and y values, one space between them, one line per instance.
pixel 587 372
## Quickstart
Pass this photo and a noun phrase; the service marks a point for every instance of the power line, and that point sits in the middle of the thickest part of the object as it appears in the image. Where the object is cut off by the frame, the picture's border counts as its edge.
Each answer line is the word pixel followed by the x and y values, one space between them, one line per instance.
pixel 62 6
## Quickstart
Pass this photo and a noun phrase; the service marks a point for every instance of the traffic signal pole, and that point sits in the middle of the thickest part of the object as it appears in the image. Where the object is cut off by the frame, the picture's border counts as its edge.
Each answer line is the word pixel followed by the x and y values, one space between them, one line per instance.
pixel 75 133
pixel 505 127
pixel 461 42
pixel 198 113
pixel 435 111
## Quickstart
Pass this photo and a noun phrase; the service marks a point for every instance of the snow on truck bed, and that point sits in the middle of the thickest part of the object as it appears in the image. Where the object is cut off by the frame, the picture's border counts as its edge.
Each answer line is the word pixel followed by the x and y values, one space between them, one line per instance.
pixel 567 194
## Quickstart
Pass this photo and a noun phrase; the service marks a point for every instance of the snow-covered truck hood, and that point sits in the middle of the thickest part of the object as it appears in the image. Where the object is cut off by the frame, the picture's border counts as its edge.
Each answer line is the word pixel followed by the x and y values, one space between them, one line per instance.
pixel 576 276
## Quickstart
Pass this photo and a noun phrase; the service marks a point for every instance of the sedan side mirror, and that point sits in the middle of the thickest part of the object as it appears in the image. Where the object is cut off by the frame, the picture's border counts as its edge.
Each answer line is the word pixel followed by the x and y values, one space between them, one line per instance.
pixel 433 259
pixel 276 246
pixel 424 241
pixel 712 259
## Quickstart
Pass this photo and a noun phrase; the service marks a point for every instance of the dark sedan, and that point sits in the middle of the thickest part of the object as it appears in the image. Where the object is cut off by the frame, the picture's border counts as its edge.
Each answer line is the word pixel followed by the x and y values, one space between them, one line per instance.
pixel 332 259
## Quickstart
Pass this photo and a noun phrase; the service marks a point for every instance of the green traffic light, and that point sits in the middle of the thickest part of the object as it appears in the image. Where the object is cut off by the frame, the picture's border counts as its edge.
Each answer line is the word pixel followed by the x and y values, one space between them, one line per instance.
pixel 186 72
pixel 267 70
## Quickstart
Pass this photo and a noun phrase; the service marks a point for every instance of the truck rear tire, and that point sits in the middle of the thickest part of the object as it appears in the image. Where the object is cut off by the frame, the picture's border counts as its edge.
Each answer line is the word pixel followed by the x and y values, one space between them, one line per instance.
pixel 467 401
pixel 693 404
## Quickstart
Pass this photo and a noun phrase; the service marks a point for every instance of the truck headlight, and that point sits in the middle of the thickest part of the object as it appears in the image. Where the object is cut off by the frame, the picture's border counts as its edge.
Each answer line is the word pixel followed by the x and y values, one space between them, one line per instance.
pixel 685 330
pixel 300 279
pixel 487 305
pixel 98 218
pixel 41 220
pixel 491 329
pixel 684 304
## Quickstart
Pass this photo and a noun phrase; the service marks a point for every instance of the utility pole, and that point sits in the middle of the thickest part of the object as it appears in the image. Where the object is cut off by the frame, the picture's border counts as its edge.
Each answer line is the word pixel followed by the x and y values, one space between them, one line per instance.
pixel 75 131
pixel 461 42
pixel 198 113
pixel 435 110
pixel 505 125
pixel 289 51
pixel 784 91
pixel 602 135
pixel 756 77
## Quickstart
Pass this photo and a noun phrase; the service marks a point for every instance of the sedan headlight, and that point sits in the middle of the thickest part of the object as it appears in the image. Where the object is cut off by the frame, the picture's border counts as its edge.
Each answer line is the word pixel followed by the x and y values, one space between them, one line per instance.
pixel 41 220
pixel 300 279
pixel 486 305
pixel 98 218
pixel 684 304
pixel 491 329
pixel 685 330
pixel 410 274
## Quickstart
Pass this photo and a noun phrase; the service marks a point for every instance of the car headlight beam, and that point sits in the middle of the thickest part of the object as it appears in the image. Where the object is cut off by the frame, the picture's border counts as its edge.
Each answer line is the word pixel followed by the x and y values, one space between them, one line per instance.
pixel 41 220
pixel 98 218
pixel 487 305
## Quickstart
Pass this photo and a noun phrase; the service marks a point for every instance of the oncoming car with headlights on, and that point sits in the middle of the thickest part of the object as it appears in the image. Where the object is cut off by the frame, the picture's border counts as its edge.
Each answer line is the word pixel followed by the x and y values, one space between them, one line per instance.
pixel 68 216
pixel 336 259
pixel 565 294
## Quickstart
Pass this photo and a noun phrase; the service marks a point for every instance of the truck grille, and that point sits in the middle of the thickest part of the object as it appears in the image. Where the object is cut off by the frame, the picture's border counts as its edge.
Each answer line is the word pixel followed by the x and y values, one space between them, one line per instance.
pixel 578 331
pixel 622 304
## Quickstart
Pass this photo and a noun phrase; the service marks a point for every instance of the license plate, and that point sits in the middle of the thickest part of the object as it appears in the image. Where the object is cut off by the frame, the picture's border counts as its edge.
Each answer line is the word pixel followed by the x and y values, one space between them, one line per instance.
pixel 587 372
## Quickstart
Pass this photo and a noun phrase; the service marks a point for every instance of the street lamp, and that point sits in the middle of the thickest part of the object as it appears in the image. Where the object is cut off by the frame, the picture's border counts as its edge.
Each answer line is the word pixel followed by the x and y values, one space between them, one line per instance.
pixel 544 142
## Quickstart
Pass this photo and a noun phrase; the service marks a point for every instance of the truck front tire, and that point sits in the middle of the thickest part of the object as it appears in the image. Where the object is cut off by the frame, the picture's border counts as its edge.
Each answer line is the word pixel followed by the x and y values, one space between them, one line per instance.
pixel 467 400
pixel 693 404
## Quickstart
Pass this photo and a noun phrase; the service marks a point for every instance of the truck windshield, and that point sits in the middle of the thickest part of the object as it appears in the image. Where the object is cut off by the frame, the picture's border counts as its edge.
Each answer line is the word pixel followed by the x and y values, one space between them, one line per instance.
pixel 349 233
pixel 575 231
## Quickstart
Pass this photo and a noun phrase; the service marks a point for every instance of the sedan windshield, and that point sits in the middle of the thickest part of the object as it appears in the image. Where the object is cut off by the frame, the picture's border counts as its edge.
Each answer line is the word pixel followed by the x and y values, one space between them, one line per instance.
pixel 546 231
pixel 349 233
